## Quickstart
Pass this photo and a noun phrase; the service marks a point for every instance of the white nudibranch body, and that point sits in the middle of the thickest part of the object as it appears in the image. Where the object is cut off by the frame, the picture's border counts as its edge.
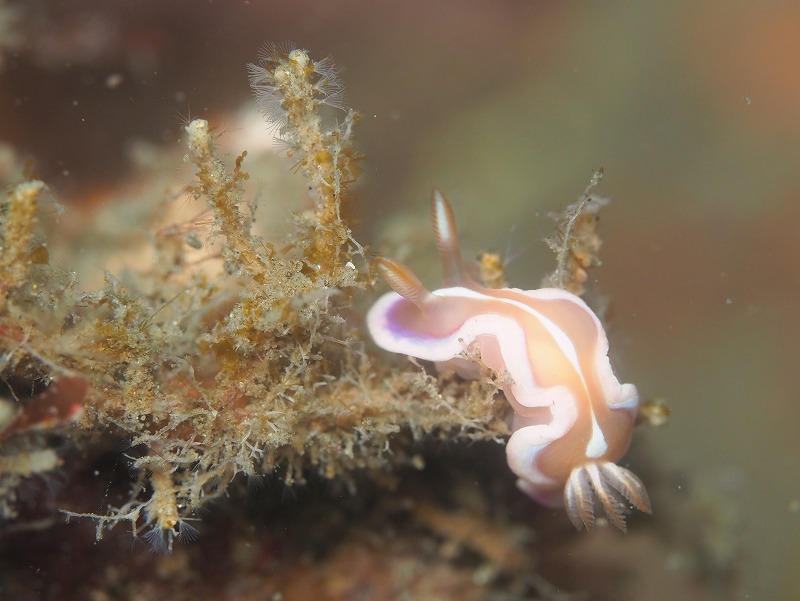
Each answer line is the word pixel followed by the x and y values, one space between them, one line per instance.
pixel 572 418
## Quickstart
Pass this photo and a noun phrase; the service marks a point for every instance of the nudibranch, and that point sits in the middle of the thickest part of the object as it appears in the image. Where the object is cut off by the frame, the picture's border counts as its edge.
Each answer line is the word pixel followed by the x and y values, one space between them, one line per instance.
pixel 573 420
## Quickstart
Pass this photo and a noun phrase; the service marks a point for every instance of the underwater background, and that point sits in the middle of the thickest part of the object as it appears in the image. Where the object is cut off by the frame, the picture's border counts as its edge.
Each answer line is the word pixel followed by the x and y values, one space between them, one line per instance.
pixel 692 109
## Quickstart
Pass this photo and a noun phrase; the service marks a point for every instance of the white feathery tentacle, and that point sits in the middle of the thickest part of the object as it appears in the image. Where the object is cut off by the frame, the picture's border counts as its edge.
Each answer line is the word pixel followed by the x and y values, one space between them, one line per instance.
pixel 626 483
pixel 610 484
pixel 579 501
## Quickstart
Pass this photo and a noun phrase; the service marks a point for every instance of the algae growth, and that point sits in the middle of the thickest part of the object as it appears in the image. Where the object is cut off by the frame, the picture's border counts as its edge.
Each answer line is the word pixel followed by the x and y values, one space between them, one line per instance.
pixel 249 362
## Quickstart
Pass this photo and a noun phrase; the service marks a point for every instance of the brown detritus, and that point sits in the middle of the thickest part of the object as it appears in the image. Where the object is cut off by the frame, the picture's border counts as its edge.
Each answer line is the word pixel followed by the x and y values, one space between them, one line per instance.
pixel 57 405
pixel 493 541
pixel 28 463
pixel 654 413
pixel 27 437
pixel 492 270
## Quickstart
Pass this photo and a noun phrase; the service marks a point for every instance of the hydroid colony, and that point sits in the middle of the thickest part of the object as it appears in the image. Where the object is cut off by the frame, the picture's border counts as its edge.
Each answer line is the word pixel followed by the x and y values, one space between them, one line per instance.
pixel 253 372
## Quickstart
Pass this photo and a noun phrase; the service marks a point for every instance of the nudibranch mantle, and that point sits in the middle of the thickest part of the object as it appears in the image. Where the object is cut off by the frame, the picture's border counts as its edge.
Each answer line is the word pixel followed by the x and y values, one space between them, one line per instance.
pixel 572 418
